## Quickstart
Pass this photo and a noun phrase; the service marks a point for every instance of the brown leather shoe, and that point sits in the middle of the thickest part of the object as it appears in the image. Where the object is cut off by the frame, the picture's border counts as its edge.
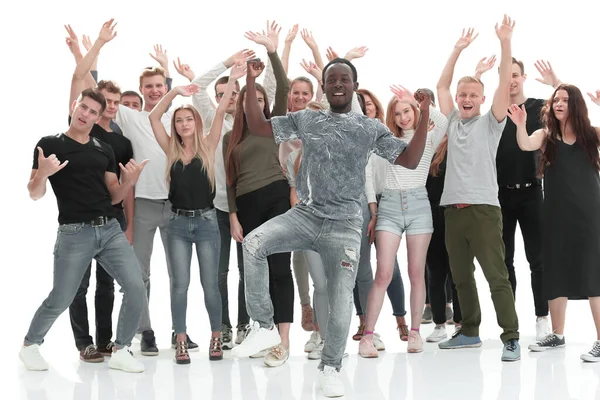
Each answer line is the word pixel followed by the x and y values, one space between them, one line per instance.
pixel 91 355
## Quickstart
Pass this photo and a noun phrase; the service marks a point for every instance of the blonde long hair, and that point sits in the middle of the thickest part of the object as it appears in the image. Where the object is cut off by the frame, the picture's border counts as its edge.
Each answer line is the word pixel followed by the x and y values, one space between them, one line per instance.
pixel 201 148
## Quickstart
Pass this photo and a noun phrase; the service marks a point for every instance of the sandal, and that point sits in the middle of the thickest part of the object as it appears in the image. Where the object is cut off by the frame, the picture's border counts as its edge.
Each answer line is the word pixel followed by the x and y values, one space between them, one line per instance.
pixel 359 334
pixel 181 353
pixel 215 351
pixel 403 330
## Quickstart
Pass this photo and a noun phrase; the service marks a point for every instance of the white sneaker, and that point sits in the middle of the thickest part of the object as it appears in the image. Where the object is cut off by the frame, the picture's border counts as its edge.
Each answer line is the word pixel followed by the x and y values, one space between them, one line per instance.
pixel 377 342
pixel 241 333
pixel 31 357
pixel 438 334
pixel 330 383
pixel 316 353
pixel 542 328
pixel 257 340
pixel 313 342
pixel 123 360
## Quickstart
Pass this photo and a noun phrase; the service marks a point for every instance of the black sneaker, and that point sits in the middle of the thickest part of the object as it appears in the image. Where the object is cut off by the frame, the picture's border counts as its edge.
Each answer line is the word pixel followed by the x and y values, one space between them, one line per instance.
pixel 148 344
pixel 551 341
pixel 226 335
pixel 594 354
pixel 191 345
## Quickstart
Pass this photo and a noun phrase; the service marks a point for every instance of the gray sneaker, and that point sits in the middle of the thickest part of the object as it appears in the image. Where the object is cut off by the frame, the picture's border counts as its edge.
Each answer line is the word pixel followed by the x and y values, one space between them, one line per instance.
pixel 594 354
pixel 427 315
pixel 226 336
pixel 511 351
pixel 551 341
pixel 460 341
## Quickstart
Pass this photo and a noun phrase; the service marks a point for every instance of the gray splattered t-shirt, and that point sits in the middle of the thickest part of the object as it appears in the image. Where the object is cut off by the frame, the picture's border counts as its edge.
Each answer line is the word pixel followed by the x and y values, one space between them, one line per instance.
pixel 336 148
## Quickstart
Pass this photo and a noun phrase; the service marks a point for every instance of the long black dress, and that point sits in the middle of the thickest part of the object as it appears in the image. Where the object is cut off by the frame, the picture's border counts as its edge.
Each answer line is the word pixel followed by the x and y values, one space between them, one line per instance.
pixel 571 235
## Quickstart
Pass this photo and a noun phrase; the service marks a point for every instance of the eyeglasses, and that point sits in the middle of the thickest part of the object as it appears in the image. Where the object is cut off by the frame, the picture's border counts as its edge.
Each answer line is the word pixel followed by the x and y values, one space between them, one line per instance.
pixel 233 94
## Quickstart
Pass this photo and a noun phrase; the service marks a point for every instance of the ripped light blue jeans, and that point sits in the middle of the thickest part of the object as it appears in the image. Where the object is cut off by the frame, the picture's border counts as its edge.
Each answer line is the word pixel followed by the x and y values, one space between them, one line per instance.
pixel 338 243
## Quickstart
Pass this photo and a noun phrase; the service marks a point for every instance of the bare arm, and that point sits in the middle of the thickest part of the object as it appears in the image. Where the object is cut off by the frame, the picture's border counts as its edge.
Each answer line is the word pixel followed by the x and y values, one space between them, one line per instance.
pixel 46 167
pixel 160 133
pixel 502 95
pixel 36 185
pixel 117 191
pixel 443 86
pixel 287 47
pixel 526 143
pixel 312 44
pixel 411 157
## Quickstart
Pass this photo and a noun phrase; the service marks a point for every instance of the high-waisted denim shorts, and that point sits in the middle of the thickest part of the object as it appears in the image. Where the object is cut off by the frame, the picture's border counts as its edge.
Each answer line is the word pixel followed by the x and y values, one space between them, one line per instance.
pixel 405 210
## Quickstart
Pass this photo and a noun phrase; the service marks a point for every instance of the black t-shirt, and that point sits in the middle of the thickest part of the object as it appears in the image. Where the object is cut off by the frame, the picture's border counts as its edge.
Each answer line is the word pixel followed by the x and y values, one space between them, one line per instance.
pixel 435 184
pixel 190 188
pixel 514 165
pixel 80 189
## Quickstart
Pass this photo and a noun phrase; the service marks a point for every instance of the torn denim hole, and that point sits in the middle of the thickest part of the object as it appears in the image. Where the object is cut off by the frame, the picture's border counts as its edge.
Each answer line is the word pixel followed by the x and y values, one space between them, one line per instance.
pixel 350 252
pixel 252 244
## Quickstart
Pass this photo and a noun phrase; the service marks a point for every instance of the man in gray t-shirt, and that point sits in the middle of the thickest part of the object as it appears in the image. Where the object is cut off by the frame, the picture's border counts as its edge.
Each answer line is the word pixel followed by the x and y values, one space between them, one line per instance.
pixel 328 219
pixel 473 216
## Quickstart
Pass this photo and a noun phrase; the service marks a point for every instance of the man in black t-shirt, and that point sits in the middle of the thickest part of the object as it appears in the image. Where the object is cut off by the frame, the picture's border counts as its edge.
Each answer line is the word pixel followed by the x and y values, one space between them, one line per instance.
pixel 520 190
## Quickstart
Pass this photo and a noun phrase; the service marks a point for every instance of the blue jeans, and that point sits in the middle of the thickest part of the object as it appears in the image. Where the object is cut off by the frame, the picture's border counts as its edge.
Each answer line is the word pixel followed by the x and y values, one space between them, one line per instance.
pixel 320 298
pixel 183 232
pixel 76 245
pixel 338 243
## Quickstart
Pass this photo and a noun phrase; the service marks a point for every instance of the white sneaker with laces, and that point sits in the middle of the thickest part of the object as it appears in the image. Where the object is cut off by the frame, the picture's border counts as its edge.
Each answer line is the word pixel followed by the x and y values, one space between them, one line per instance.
pixel 377 342
pixel 330 383
pixel 258 339
pixel 316 353
pixel 123 360
pixel 313 342
pixel 31 357
pixel 438 334
pixel 542 328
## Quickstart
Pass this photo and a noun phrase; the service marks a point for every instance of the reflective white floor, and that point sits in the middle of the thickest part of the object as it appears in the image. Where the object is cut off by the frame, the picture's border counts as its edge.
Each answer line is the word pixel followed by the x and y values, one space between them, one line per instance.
pixel 433 374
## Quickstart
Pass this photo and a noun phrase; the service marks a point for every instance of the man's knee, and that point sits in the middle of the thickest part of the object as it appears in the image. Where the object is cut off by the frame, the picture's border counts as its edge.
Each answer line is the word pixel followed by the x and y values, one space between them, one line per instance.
pixel 253 244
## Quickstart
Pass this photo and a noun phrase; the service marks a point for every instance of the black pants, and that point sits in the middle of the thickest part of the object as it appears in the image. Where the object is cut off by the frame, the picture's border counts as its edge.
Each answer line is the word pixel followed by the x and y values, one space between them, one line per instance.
pixel 525 207
pixel 103 301
pixel 254 209
pixel 438 271
pixel 427 289
pixel 225 231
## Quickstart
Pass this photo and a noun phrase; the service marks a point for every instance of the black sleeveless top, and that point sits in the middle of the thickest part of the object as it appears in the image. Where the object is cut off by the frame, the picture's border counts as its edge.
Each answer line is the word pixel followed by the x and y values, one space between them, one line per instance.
pixel 190 188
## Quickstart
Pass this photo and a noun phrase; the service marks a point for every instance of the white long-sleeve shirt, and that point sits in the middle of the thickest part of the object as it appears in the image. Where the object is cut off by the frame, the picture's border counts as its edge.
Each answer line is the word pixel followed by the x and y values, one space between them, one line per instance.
pixel 398 177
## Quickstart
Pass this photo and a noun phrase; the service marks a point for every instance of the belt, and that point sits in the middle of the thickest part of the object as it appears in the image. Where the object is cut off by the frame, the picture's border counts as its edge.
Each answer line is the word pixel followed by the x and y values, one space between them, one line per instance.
pixel 519 186
pixel 459 205
pixel 100 221
pixel 191 213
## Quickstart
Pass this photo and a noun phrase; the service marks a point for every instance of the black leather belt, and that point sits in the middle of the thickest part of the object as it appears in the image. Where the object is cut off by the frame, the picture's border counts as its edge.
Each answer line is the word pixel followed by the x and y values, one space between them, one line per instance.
pixel 191 213
pixel 100 221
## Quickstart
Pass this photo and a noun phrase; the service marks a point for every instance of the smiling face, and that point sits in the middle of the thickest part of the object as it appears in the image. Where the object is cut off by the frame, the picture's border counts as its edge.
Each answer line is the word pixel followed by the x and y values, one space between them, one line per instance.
pixel 404 116
pixel 153 89
pixel 132 102
pixel 300 94
pixel 469 98
pixel 516 81
pixel 560 105
pixel 339 86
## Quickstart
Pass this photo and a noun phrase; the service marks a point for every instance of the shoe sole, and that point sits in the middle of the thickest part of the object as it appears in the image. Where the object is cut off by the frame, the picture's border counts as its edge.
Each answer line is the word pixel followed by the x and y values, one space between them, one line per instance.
pixel 183 362
pixel 215 358
pixel 92 360
pixel 369 355
pixel 506 359
pixel 589 358
pixel 274 364
pixel 464 346
pixel 543 349
pixel 437 339
pixel 119 368
pixel 413 351
pixel 149 353
pixel 314 357
pixel 32 369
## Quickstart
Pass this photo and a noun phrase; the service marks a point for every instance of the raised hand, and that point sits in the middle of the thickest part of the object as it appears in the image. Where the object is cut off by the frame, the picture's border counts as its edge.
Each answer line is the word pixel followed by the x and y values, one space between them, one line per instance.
pixel 273 30
pixel 160 56
pixel 255 68
pixel 547 73
pixel 312 69
pixel 485 64
pixel 423 99
pixel 238 71
pixel 187 90
pixel 131 172
pixel 596 98
pixel 356 52
pixel 242 55
pixel 184 70
pixel 107 32
pixel 331 54
pixel 517 114
pixel 72 41
pixel 308 38
pixel 291 34
pixel 261 38
pixel 402 93
pixel 87 42
pixel 466 39
pixel 505 31
pixel 48 166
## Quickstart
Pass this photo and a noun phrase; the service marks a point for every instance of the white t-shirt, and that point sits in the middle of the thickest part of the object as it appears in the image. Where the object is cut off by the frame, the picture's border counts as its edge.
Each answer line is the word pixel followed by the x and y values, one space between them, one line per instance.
pixel 136 127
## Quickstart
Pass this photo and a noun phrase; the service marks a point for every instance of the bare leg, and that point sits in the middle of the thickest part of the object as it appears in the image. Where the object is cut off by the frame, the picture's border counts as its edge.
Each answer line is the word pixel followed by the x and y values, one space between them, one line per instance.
pixel 595 306
pixel 558 311
pixel 417 252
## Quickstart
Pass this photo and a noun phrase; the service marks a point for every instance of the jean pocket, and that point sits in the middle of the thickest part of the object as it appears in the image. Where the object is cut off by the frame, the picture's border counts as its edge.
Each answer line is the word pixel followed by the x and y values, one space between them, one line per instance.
pixel 69 229
pixel 354 223
pixel 210 215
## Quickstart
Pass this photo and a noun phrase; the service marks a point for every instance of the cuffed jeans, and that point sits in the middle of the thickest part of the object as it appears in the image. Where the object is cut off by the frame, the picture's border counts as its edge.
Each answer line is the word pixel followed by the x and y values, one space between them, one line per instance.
pixel 225 233
pixel 338 243
pixel 203 232
pixel 149 215
pixel 103 303
pixel 76 245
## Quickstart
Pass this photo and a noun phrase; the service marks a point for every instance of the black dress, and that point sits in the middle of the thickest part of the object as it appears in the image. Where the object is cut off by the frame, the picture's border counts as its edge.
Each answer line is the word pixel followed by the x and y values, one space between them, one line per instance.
pixel 571 220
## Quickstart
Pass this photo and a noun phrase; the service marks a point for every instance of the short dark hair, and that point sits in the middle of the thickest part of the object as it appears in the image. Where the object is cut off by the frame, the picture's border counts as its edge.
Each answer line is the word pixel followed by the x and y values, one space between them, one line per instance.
pixel 341 61
pixel 223 80
pixel 520 64
pixel 96 95
pixel 133 93
pixel 109 86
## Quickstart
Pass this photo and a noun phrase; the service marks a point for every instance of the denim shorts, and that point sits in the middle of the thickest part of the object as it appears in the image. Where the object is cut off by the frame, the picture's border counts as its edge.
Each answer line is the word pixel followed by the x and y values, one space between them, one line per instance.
pixel 405 211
